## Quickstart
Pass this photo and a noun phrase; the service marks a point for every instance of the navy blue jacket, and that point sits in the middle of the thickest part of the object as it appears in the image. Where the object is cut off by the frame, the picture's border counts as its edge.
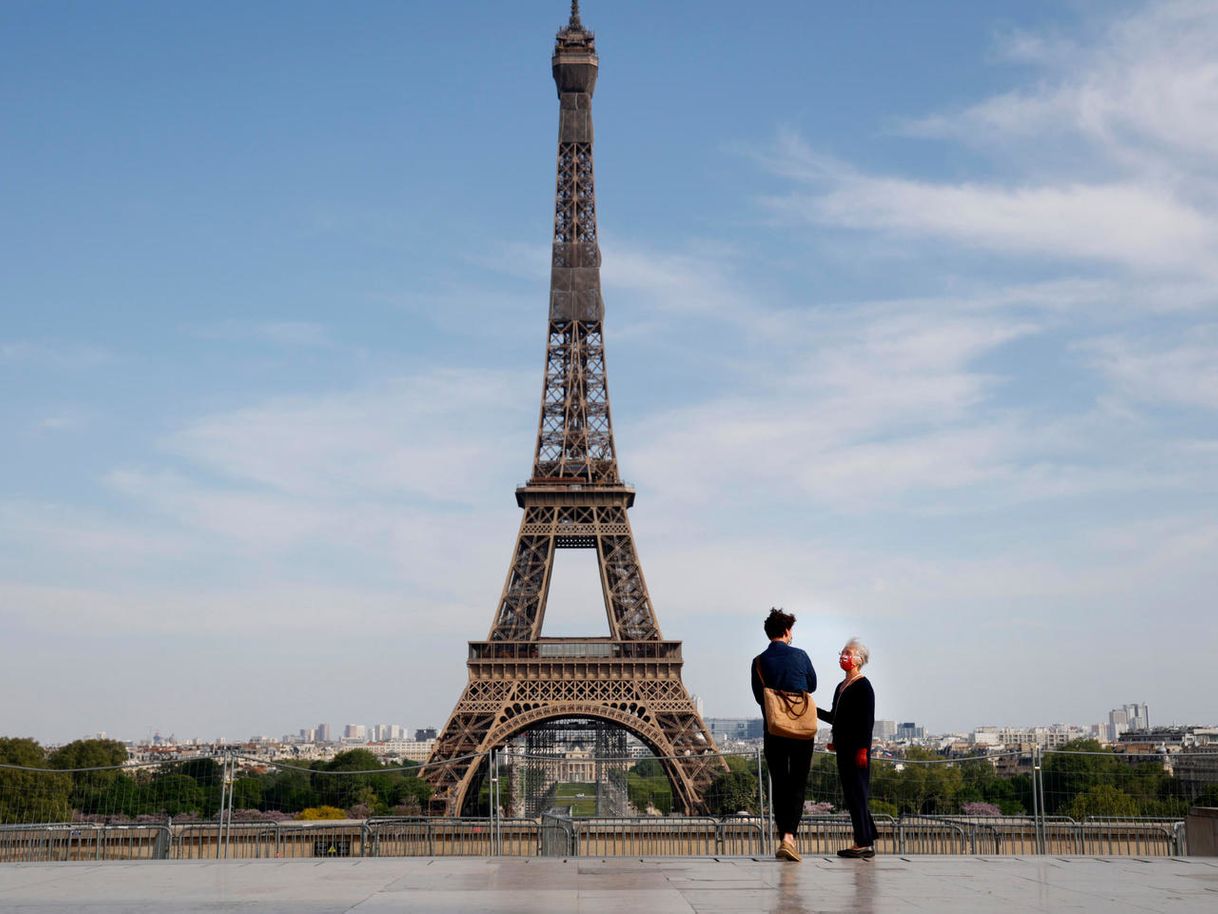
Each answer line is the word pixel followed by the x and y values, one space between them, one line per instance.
pixel 784 667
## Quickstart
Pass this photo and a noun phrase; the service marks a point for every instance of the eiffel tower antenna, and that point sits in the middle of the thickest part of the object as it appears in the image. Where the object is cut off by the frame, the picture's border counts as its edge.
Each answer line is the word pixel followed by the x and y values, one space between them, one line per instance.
pixel 574 499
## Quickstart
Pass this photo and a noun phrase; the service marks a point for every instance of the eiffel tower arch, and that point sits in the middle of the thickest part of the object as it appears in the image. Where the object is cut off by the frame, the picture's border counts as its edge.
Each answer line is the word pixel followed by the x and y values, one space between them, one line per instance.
pixel 574 499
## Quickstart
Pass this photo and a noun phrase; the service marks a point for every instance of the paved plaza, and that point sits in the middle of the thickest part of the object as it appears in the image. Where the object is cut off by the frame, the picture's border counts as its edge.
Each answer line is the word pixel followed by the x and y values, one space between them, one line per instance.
pixel 633 886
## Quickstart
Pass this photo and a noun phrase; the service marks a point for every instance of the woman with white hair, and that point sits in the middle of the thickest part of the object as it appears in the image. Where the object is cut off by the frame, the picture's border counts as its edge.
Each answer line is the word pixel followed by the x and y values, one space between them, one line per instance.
pixel 853 719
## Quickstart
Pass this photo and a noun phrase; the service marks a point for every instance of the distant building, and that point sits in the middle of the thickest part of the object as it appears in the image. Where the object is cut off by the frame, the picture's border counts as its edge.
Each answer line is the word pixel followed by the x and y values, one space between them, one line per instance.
pixel 1051 737
pixel 411 749
pixel 1197 768
pixel 884 729
pixel 1127 717
pixel 987 736
pixel 322 733
pixel 1165 739
pixel 425 733
pixel 735 728
pixel 910 730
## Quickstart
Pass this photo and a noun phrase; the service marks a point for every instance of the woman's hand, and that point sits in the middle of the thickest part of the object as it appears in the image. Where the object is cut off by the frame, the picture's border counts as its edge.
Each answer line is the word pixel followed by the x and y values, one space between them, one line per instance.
pixel 860 758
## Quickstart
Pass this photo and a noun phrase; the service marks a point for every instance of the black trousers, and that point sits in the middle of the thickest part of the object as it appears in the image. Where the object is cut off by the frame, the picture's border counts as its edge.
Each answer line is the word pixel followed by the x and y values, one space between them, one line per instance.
pixel 789 761
pixel 856 791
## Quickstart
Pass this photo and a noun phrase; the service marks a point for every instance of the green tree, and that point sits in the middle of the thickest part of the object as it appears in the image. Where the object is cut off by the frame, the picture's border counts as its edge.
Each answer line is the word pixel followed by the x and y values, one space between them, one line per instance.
pixel 354 760
pixel 410 795
pixel 348 779
pixel 206 772
pixel 29 796
pixel 289 790
pixel 248 792
pixel 731 792
pixel 1073 770
pixel 647 768
pixel 89 753
pixel 172 795
pixel 1102 800
pixel 1012 795
pixel 96 770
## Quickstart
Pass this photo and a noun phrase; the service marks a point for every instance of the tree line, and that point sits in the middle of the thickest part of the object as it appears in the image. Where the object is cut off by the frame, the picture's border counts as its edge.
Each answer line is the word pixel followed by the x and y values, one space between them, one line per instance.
pixel 1081 780
pixel 353 784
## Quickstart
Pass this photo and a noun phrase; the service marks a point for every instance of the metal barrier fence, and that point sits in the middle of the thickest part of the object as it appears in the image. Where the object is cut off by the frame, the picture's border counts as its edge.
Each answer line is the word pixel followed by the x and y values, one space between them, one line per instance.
pixel 229 805
pixel 55 842
pixel 560 835
pixel 653 836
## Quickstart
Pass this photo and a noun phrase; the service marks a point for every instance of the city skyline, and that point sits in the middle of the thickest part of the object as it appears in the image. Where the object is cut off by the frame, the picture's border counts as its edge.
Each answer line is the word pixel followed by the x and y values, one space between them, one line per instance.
pixel 341 732
pixel 911 319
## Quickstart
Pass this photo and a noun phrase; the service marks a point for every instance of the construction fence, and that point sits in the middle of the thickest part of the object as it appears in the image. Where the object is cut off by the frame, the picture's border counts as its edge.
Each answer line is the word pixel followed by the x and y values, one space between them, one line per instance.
pixel 232 806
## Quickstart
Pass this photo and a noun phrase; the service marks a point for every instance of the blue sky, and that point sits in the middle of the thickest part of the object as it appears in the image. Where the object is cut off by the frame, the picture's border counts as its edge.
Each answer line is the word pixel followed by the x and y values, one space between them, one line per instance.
pixel 911 322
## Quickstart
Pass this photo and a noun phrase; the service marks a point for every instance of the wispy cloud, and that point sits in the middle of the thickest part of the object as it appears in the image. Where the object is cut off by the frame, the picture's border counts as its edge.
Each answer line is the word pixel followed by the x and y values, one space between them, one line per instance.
pixel 407 436
pixel 1137 226
pixel 1142 94
pixel 1180 371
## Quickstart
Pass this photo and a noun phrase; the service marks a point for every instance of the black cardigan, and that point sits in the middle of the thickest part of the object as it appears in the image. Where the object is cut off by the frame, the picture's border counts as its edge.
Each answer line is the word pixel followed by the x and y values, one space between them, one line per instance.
pixel 852 716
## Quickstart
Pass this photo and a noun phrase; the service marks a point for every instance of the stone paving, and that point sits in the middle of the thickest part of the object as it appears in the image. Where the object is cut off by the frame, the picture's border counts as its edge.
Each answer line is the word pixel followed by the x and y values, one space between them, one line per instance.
pixel 630 886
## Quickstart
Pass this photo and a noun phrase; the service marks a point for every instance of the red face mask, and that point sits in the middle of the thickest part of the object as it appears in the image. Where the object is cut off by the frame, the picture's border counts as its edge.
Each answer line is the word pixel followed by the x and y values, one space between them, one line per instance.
pixel 846 663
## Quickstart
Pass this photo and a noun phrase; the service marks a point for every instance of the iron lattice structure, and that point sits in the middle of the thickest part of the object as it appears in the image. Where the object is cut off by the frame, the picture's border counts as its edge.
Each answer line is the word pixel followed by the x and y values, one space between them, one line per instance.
pixel 565 752
pixel 575 499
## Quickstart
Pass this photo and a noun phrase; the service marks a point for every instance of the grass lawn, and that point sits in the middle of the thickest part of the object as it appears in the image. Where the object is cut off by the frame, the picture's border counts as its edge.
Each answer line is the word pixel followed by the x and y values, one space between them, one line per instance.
pixel 580 797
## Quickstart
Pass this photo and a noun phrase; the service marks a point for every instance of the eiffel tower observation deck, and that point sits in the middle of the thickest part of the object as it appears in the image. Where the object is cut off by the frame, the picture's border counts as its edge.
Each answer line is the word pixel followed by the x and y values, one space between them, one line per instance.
pixel 574 499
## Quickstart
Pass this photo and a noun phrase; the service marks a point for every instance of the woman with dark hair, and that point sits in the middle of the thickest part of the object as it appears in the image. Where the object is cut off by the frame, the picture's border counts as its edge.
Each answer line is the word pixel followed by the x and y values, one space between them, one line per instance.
pixel 853 719
pixel 787 669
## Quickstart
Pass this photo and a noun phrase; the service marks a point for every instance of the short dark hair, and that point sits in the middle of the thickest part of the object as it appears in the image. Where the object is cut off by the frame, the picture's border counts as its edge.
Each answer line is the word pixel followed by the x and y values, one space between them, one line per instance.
pixel 778 622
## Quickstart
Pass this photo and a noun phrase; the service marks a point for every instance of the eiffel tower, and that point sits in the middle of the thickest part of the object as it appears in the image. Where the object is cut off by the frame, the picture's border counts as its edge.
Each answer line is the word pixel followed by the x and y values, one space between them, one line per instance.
pixel 575 499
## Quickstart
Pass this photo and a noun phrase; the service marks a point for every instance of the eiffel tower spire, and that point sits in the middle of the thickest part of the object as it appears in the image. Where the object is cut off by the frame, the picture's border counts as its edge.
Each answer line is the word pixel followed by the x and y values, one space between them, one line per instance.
pixel 574 499
pixel 575 438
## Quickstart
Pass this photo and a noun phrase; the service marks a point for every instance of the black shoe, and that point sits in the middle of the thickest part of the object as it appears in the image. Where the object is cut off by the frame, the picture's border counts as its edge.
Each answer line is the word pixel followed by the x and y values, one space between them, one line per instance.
pixel 863 853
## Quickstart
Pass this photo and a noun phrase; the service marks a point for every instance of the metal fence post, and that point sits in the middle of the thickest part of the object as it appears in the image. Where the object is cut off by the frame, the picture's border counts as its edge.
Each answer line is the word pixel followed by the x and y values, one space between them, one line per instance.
pixel 1038 811
pixel 220 813
pixel 228 835
pixel 761 803
pixel 496 837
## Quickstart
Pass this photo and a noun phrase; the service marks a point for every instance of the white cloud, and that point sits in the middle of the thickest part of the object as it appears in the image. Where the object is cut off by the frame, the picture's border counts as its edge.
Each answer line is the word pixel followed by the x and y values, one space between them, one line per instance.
pixel 1137 226
pixel 1180 371
pixel 83 538
pixel 1116 141
pixel 432 435
pixel 1143 92
pixel 848 408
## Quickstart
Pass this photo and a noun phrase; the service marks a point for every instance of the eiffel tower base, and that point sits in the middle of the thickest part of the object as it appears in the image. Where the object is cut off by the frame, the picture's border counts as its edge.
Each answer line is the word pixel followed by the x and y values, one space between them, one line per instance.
pixel 515 686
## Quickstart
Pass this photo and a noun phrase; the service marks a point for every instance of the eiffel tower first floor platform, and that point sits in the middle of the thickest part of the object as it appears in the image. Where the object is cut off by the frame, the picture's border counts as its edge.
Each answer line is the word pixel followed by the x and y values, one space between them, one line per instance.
pixel 517 685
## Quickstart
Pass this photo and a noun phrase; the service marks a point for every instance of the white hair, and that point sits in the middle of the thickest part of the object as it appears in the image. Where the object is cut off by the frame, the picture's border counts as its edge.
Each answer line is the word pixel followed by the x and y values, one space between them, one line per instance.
pixel 854 644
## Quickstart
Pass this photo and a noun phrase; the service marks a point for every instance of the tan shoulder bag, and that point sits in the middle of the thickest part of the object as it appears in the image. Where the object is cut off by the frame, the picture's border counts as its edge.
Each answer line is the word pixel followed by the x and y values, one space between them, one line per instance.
pixel 789 714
